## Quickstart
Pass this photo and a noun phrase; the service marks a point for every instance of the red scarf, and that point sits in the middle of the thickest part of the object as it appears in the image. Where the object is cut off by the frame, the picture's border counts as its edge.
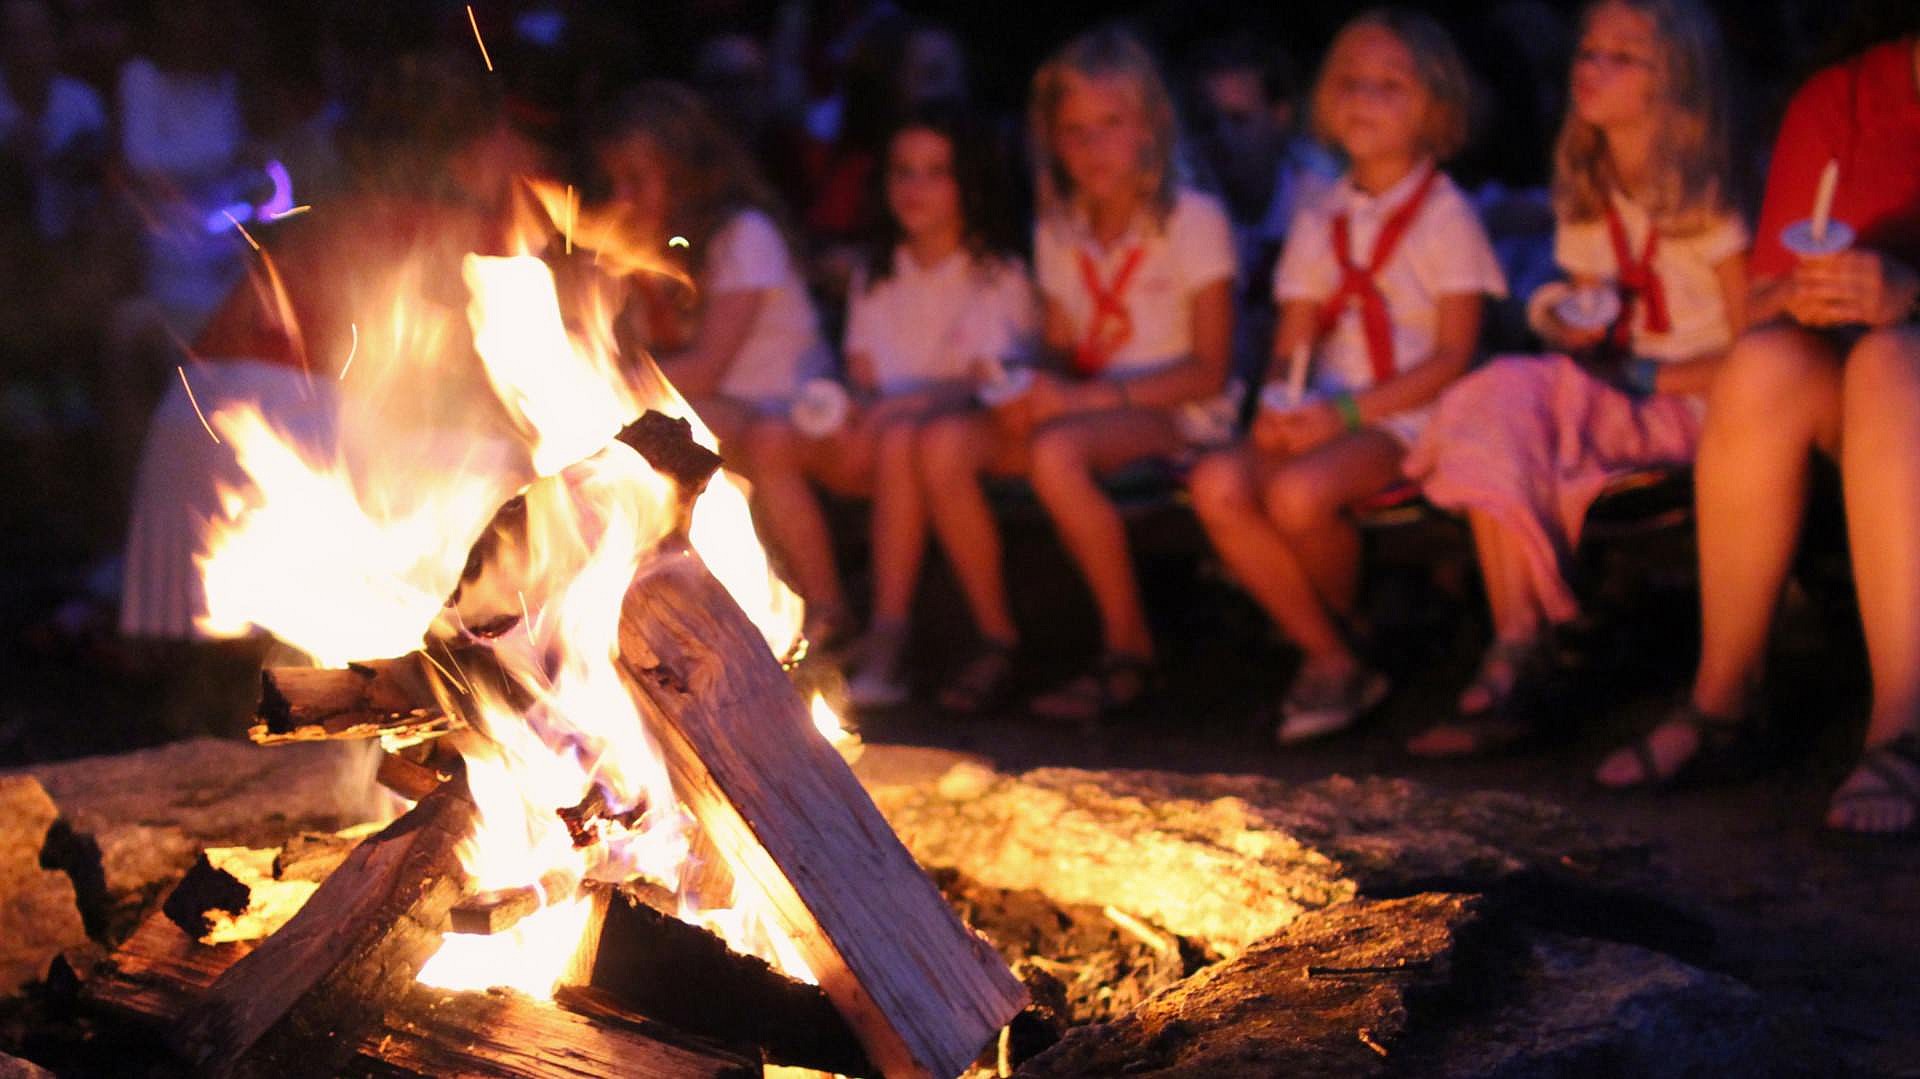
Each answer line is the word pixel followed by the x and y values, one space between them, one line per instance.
pixel 1638 281
pixel 1111 325
pixel 1358 283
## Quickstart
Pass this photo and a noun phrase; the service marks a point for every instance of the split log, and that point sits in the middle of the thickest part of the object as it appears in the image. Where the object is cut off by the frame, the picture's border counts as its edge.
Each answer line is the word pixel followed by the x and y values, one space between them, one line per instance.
pixel 655 964
pixel 363 700
pixel 922 992
pixel 328 975
pixel 159 974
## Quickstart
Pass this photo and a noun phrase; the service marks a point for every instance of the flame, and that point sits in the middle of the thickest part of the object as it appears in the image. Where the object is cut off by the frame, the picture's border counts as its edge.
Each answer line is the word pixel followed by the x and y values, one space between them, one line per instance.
pixel 353 530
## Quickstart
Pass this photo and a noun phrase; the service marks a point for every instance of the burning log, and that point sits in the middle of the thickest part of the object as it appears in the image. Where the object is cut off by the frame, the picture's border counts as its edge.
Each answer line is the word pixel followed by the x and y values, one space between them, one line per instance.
pixel 365 700
pixel 650 961
pixel 922 992
pixel 299 1002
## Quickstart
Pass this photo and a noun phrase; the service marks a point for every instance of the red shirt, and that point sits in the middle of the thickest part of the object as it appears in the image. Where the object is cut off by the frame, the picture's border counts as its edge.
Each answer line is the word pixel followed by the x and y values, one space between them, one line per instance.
pixel 1866 112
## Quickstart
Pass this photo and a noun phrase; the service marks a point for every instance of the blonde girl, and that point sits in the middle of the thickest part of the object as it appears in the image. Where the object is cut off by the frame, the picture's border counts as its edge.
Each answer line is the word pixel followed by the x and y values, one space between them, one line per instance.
pixel 1646 235
pixel 1135 274
pixel 939 296
pixel 742 340
pixel 1381 282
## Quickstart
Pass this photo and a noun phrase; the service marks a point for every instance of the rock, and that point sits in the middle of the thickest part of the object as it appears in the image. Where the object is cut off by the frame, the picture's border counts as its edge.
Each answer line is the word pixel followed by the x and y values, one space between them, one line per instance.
pixel 149 813
pixel 39 916
pixel 1250 854
pixel 1335 994
pixel 12 1067
pixel 1586 1007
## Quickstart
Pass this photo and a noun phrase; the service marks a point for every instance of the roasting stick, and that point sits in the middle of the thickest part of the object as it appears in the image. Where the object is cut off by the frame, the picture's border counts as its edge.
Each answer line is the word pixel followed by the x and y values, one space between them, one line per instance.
pixel 1823 201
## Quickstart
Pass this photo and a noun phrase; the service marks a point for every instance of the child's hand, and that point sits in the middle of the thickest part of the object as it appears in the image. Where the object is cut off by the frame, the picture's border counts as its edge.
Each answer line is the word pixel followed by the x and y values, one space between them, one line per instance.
pixel 1053 397
pixel 1301 429
pixel 1851 288
pixel 1561 336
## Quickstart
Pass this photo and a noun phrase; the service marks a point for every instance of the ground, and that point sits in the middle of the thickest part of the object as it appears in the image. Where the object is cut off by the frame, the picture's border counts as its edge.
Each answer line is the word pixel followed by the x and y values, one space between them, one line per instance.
pixel 1826 928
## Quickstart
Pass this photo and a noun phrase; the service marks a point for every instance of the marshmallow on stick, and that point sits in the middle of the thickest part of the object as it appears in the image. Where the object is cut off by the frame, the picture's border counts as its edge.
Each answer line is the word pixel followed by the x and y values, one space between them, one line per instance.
pixel 1823 200
pixel 1297 373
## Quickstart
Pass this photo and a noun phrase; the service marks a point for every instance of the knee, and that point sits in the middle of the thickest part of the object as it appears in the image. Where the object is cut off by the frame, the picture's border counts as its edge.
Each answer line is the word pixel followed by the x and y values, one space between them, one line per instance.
pixel 1884 367
pixel 1769 370
pixel 897 442
pixel 944 452
pixel 771 447
pixel 1059 462
pixel 1297 504
pixel 1219 487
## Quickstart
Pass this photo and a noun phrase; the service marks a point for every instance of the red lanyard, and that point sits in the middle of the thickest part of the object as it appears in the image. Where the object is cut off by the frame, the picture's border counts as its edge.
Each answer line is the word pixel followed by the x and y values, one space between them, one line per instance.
pixel 1638 281
pixel 1111 325
pixel 1358 283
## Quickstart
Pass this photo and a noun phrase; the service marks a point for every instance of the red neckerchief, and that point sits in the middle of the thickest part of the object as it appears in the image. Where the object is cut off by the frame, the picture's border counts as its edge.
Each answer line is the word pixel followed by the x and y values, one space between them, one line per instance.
pixel 1111 325
pixel 1359 283
pixel 1638 281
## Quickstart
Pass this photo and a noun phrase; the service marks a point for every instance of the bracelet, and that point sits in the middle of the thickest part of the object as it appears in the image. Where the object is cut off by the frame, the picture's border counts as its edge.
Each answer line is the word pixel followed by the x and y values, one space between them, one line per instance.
pixel 1349 410
pixel 1642 376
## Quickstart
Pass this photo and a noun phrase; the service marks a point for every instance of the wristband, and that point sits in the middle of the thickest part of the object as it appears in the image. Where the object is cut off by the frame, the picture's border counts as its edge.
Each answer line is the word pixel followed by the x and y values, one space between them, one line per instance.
pixel 1642 377
pixel 1349 411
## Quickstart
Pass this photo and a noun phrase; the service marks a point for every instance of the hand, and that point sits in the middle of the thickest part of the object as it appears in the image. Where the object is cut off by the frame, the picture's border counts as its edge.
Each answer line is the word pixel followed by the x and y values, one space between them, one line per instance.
pixel 1053 397
pixel 1851 288
pixel 1565 337
pixel 1298 430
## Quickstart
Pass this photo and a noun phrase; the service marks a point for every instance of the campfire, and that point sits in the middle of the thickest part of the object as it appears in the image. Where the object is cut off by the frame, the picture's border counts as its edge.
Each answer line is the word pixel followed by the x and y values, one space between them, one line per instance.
pixel 570 649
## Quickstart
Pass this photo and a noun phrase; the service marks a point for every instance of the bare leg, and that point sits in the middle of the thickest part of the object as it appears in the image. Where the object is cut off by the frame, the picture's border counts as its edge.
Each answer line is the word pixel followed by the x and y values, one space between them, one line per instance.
pixel 1307 499
pixel 899 525
pixel 954 455
pixel 1068 457
pixel 1880 459
pixel 1775 401
pixel 778 460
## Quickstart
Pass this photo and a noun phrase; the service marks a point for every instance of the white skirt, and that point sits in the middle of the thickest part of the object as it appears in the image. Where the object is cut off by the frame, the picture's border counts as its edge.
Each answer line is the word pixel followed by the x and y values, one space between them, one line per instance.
pixel 182 469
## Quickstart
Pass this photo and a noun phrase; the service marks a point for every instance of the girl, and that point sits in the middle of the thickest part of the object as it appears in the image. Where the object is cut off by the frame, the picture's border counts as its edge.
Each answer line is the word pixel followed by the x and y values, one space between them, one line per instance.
pixel 1382 279
pixel 939 296
pixel 1527 444
pixel 1135 275
pixel 753 337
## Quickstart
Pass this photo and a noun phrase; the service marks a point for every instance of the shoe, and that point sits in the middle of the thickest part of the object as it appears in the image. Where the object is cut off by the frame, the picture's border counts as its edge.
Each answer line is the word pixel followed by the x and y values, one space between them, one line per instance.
pixel 878 683
pixel 1314 708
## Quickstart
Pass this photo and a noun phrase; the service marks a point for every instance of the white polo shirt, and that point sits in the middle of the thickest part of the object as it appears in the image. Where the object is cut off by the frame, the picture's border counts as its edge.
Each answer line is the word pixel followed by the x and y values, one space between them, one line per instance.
pixel 1696 305
pixel 783 348
pixel 1188 251
pixel 925 324
pixel 1444 252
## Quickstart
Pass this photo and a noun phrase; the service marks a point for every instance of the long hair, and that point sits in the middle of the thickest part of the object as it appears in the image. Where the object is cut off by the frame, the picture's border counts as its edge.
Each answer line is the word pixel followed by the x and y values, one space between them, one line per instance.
pixel 978 171
pixel 711 176
pixel 1108 52
pixel 1690 149
pixel 1436 63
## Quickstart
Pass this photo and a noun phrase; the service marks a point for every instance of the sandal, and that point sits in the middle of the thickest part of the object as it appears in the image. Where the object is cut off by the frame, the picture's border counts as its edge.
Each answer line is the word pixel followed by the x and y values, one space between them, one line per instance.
pixel 1116 683
pixel 1314 708
pixel 1892 767
pixel 1521 663
pixel 1482 734
pixel 1725 749
pixel 982 682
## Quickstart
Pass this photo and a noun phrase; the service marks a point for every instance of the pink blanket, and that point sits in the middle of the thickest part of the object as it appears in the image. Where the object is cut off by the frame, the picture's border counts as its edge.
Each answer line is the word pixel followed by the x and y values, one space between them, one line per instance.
pixel 1531 441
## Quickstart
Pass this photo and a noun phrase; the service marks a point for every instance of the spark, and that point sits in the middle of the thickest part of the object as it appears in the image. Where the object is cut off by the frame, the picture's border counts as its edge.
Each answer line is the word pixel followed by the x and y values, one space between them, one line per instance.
pixel 196 404
pixel 475 23
pixel 291 211
pixel 678 241
pixel 255 244
pixel 352 350
pixel 572 215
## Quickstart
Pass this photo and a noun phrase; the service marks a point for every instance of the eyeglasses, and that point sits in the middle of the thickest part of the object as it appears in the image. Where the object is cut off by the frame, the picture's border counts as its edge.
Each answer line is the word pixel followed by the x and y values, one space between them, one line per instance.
pixel 1613 58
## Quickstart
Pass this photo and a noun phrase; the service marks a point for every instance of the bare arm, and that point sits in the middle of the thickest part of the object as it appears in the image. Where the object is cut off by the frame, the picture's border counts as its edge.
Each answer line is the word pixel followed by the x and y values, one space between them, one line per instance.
pixel 1696 375
pixel 698 370
pixel 1455 339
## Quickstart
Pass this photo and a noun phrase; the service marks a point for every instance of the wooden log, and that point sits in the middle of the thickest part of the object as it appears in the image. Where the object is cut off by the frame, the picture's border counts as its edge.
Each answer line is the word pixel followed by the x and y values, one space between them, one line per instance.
pixel 653 963
pixel 363 700
pixel 159 974
pixel 327 976
pixel 923 993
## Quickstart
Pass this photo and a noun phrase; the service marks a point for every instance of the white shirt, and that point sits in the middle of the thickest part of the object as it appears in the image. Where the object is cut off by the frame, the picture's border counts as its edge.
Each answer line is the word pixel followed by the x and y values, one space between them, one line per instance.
pixel 783 348
pixel 922 325
pixel 1444 252
pixel 1188 251
pixel 73 111
pixel 184 126
pixel 1696 306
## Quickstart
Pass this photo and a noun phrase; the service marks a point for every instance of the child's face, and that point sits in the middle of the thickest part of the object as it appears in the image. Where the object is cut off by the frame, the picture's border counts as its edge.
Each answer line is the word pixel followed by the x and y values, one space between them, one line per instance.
pixel 1613 69
pixel 637 171
pixel 1101 135
pixel 921 189
pixel 1377 105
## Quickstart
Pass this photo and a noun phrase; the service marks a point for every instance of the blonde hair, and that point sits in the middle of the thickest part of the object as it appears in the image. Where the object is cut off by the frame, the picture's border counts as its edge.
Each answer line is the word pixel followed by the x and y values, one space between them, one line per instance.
pixel 1690 156
pixel 1436 63
pixel 1109 52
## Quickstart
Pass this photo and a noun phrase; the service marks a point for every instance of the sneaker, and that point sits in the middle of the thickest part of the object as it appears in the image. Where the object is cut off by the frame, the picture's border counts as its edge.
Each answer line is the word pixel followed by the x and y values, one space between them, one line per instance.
pixel 879 681
pixel 1315 707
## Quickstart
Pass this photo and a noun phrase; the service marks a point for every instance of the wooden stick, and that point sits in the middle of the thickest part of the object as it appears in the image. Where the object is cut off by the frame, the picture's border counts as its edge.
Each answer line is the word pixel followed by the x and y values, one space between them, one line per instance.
pixel 1823 200
pixel 922 992
pixel 298 1003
